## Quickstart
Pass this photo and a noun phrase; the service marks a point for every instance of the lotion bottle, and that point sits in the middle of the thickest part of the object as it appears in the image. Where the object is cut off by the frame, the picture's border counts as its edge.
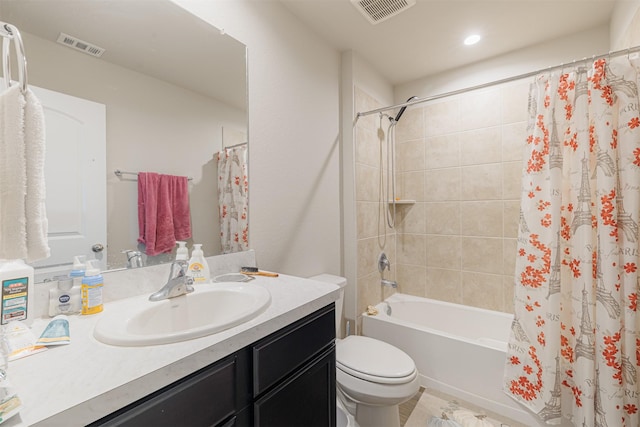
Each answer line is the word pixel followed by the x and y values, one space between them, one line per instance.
pixel 182 253
pixel 65 298
pixel 91 290
pixel 198 267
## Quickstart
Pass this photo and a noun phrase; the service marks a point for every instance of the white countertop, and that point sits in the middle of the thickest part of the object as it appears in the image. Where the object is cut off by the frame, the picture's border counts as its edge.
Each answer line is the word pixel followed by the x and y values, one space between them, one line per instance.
pixel 75 384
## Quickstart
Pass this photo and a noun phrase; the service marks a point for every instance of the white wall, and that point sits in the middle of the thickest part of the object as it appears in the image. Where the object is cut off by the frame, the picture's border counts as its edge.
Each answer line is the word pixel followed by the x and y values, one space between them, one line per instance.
pixel 624 28
pixel 294 175
pixel 534 58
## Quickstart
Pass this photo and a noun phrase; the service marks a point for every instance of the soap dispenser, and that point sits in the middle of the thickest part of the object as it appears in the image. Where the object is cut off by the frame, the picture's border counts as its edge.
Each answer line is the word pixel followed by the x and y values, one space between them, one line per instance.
pixel 182 253
pixel 65 298
pixel 198 267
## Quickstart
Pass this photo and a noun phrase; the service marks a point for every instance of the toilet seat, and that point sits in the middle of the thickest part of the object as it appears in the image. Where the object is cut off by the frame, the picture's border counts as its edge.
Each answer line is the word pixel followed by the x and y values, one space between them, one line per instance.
pixel 375 361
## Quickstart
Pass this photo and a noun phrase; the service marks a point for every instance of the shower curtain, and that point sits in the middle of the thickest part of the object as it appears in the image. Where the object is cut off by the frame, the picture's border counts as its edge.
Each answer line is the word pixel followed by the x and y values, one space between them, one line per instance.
pixel 233 199
pixel 574 347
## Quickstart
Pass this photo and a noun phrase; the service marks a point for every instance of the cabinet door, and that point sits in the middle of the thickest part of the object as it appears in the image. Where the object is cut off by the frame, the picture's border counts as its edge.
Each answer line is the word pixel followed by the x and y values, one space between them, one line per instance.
pixel 206 398
pixel 282 352
pixel 306 399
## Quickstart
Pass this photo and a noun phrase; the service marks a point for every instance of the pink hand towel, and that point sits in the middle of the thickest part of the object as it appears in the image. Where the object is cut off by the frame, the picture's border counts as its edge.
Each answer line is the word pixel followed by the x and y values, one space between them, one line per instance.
pixel 163 211
pixel 148 184
pixel 180 206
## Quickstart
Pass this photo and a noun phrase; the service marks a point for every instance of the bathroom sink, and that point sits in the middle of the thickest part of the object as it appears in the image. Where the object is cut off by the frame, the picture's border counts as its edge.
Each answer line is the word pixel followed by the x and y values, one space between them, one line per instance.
pixel 211 308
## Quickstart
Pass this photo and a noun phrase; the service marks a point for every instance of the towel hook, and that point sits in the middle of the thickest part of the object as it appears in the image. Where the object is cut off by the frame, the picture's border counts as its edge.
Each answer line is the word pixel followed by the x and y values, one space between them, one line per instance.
pixel 12 33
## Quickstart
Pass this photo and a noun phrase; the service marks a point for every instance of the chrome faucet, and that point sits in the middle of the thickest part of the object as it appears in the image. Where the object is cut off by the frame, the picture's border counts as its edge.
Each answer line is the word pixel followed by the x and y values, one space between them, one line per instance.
pixel 134 258
pixel 177 284
pixel 390 283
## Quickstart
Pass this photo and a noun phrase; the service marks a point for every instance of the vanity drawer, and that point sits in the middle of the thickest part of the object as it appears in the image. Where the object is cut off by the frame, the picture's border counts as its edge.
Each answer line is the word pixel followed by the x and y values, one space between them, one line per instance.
pixel 206 398
pixel 281 353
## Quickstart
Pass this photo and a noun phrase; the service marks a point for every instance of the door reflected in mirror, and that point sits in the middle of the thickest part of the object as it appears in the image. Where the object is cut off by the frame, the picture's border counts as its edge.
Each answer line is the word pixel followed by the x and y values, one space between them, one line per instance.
pixel 174 92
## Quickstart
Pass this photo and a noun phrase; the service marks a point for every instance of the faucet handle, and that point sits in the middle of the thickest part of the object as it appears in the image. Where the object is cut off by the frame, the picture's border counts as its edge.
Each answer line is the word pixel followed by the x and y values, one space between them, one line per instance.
pixel 178 269
pixel 383 262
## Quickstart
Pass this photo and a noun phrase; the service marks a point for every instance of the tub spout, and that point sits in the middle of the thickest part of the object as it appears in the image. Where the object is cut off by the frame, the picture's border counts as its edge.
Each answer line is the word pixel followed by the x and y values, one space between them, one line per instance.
pixel 389 283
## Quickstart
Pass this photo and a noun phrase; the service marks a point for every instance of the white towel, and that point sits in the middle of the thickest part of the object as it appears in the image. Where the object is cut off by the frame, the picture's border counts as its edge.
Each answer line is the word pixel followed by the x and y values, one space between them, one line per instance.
pixel 23 223
pixel 36 213
pixel 13 178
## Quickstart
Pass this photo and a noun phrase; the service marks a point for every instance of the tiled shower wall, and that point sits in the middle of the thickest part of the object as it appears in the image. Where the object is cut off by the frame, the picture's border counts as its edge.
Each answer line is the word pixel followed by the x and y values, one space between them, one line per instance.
pixel 460 159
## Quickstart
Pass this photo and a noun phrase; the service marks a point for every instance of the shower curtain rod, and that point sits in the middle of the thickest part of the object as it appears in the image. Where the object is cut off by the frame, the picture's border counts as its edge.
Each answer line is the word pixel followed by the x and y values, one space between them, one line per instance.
pixel 627 51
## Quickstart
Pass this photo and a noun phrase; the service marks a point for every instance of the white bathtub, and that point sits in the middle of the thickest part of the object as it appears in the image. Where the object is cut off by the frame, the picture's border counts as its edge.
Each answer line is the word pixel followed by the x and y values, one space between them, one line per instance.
pixel 458 350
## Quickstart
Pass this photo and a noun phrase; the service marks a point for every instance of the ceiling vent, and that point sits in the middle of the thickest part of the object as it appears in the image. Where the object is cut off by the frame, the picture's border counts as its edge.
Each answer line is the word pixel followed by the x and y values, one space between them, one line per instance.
pixel 377 11
pixel 82 46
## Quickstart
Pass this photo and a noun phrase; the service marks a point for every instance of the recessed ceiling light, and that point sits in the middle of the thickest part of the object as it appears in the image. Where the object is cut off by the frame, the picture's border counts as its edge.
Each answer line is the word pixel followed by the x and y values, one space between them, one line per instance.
pixel 472 39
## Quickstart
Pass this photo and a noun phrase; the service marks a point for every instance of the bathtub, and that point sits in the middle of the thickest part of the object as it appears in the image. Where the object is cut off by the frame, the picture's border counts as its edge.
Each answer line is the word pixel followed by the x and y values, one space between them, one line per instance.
pixel 458 350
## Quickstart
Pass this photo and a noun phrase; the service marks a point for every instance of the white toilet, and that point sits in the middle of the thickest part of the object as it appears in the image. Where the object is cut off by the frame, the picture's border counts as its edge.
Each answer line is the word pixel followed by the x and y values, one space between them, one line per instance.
pixel 372 377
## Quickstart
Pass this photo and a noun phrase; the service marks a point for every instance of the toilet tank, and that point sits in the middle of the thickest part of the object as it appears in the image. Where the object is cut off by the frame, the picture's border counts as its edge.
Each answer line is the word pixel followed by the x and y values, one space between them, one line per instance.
pixel 341 282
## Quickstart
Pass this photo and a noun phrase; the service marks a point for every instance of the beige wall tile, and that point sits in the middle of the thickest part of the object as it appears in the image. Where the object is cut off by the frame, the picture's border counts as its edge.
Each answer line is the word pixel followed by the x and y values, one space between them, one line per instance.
pixel 410 186
pixel 412 279
pixel 482 182
pixel 514 138
pixel 444 285
pixel 367 218
pixel 443 252
pixel 481 146
pixel 411 125
pixel 442 218
pixel 368 147
pixel 367 183
pixel 441 118
pixel 482 254
pixel 411 249
pixel 461 159
pixel 509 293
pixel 510 251
pixel 480 109
pixel 512 181
pixel 442 151
pixel 514 101
pixel 483 291
pixel 411 218
pixel 511 218
pixel 410 155
pixel 481 219
pixel 442 185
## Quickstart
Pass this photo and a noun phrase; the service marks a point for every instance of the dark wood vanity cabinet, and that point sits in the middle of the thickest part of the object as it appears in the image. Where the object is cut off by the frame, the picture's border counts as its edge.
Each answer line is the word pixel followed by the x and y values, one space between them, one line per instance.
pixel 285 379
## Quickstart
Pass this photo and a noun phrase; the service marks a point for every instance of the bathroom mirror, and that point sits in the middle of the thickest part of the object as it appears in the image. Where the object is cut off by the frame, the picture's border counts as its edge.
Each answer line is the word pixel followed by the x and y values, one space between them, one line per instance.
pixel 174 91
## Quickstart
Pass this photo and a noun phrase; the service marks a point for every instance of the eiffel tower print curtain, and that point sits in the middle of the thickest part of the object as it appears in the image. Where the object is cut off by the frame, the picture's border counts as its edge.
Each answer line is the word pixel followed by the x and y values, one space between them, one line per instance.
pixel 574 347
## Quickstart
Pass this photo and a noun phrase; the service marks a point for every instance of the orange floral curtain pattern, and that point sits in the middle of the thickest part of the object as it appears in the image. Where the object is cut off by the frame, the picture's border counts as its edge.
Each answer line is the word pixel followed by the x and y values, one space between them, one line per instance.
pixel 233 199
pixel 574 347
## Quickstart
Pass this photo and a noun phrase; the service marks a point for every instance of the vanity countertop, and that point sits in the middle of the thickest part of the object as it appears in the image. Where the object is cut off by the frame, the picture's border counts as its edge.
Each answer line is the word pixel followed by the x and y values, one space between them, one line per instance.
pixel 75 384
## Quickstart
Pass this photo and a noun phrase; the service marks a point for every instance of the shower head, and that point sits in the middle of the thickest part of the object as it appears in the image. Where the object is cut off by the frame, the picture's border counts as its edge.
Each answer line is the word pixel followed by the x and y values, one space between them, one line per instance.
pixel 401 112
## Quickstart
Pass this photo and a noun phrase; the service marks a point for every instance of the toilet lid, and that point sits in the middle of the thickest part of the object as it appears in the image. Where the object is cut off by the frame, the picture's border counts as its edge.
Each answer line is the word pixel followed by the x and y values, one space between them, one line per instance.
pixel 374 360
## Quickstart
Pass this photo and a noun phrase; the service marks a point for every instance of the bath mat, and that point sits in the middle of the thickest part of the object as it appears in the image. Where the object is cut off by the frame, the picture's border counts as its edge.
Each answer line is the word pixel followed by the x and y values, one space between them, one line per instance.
pixel 432 403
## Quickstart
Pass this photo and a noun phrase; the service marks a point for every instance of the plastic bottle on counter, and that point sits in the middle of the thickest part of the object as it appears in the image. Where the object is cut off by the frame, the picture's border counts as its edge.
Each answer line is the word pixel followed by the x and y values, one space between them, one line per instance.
pixel 77 272
pixel 198 267
pixel 91 289
pixel 65 298
pixel 18 295
pixel 182 253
